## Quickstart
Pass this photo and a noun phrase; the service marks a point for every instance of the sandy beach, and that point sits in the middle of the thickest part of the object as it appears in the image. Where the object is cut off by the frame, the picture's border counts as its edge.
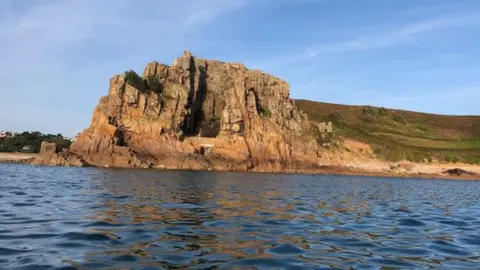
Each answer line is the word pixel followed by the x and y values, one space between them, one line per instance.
pixel 408 170
pixel 17 157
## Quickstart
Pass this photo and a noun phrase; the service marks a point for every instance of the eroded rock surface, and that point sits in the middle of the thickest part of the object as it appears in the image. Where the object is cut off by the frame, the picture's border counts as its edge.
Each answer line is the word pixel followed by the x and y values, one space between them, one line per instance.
pixel 210 115
pixel 49 155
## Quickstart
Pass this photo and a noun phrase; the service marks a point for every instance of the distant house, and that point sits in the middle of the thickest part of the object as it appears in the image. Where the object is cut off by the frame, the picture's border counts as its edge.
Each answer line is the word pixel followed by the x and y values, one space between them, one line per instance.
pixel 5 135
pixel 27 148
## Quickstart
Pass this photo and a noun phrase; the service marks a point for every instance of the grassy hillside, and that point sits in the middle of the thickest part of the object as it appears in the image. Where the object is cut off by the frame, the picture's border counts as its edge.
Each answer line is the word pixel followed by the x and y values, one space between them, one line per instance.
pixel 396 134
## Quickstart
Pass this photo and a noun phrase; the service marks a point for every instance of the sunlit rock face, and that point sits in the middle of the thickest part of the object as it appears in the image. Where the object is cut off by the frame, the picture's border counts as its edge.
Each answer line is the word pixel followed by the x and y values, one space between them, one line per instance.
pixel 198 114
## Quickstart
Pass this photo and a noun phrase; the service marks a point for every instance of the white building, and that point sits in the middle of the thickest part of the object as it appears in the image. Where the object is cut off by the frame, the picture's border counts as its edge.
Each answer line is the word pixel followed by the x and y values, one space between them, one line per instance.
pixel 5 135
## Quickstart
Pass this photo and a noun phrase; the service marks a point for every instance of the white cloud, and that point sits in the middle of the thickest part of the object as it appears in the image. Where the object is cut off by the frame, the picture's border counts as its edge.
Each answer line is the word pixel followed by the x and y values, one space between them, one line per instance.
pixel 397 36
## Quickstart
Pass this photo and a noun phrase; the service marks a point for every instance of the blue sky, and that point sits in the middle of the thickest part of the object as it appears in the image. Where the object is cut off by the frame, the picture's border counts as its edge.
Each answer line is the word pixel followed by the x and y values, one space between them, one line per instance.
pixel 57 55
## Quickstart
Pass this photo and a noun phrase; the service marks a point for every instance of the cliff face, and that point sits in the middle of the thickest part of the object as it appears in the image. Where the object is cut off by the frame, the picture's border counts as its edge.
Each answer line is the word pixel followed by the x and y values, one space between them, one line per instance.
pixel 206 115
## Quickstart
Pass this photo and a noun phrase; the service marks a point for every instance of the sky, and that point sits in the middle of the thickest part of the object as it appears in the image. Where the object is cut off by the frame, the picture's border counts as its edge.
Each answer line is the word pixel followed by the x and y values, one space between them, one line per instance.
pixel 57 56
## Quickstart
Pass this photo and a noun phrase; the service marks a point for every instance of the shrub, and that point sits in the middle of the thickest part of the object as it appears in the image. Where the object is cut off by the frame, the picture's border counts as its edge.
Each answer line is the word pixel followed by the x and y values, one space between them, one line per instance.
pixel 369 111
pixel 382 111
pixel 472 159
pixel 422 128
pixel 388 152
pixel 370 119
pixel 336 118
pixel 265 112
pixel 135 80
pixel 154 85
pixel 143 84
pixel 416 157
pixel 399 119
pixel 450 158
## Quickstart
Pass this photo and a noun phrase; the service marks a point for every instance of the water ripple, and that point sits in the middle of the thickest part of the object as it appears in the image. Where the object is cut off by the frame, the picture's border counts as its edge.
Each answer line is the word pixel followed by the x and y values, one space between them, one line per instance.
pixel 286 249
pixel 8 251
pixel 69 218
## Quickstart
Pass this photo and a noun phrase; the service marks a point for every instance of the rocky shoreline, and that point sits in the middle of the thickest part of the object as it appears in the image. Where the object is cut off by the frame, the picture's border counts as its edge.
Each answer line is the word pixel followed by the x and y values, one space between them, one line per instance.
pixel 206 115
pixel 436 171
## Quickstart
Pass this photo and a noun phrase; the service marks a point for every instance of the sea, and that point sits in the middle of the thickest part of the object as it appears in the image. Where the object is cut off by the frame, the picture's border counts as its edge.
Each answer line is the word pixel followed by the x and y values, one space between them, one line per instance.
pixel 91 218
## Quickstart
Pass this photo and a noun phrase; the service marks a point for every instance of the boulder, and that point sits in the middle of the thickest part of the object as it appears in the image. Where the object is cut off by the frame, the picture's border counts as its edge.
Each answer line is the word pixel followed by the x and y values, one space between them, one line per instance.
pixel 459 172
pixel 50 156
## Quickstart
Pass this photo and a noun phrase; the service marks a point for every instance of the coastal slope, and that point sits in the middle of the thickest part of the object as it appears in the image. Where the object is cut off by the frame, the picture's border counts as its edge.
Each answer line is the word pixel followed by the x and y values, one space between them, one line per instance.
pixel 396 135
pixel 198 114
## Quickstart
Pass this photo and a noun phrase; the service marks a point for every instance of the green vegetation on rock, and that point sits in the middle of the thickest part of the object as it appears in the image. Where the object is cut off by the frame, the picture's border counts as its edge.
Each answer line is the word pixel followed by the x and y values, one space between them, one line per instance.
pixel 149 84
pixel 265 112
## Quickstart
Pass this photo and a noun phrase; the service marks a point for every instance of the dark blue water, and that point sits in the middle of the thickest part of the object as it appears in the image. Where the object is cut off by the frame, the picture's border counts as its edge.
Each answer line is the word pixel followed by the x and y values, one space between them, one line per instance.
pixel 72 218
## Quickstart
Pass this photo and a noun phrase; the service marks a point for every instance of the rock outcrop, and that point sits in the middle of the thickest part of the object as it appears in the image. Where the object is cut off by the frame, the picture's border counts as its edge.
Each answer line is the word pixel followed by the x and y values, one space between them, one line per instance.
pixel 201 115
pixel 459 172
pixel 50 156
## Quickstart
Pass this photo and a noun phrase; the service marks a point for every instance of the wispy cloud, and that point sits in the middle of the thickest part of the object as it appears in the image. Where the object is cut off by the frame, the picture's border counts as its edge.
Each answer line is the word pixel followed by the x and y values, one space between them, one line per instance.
pixel 459 92
pixel 204 12
pixel 53 51
pixel 49 25
pixel 397 36
pixel 389 38
pixel 56 55
pixel 456 100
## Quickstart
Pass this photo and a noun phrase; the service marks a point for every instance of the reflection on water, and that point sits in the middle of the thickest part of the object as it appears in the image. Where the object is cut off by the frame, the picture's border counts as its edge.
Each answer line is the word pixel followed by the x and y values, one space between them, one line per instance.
pixel 71 218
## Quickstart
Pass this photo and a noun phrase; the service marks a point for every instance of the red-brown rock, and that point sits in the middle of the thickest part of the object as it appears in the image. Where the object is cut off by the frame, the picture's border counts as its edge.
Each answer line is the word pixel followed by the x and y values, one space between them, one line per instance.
pixel 50 156
pixel 210 115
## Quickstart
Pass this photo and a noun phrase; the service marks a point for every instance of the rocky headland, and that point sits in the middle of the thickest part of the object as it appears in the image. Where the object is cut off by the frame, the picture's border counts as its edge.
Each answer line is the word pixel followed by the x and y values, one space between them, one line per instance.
pixel 200 114
pixel 196 115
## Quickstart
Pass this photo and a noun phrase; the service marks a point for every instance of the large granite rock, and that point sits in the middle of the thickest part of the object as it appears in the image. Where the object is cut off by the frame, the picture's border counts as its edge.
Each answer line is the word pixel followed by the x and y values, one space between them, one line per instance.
pixel 209 115
pixel 50 156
